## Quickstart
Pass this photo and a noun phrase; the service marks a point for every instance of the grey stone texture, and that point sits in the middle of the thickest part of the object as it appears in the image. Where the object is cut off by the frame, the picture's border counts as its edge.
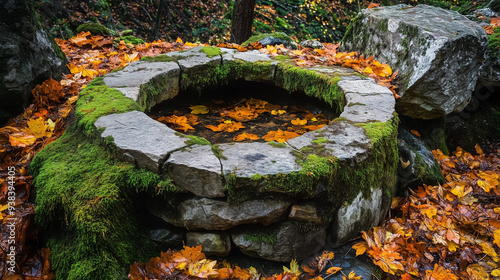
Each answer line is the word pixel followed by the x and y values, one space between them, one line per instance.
pixel 437 52
pixel 212 243
pixel 28 56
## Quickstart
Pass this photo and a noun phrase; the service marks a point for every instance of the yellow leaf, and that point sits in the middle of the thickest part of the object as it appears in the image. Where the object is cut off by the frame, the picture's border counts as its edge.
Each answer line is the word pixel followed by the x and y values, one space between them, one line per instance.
pixel 484 185
pixel 404 164
pixel 199 109
pixel 496 237
pixel 299 121
pixel 179 40
pixel 496 273
pixel 488 250
pixel 74 69
pixel 333 270
pixel 452 246
pixel 479 151
pixel 314 119
pixel 368 70
pixel 89 73
pixel 360 248
pixel 39 128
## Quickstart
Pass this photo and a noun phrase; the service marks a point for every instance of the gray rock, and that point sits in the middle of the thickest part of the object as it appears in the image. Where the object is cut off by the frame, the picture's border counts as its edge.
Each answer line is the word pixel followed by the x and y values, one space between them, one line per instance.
pixel 137 80
pixel 305 213
pixel 247 159
pixel 487 12
pixel 311 44
pixel 290 243
pixel 28 56
pixel 361 214
pixel 197 170
pixel 233 56
pixel 149 142
pixel 344 141
pixel 437 52
pixel 193 61
pixel 272 41
pixel 210 214
pixel 422 166
pixel 166 238
pixel 212 244
pixel 367 101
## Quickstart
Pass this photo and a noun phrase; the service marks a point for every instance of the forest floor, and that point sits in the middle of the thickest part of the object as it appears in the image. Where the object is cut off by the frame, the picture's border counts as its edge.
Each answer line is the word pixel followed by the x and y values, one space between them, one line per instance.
pixel 449 231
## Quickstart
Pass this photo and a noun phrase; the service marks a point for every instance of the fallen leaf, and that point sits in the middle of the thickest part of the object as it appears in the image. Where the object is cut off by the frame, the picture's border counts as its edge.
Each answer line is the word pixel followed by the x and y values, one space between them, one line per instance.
pixel 199 110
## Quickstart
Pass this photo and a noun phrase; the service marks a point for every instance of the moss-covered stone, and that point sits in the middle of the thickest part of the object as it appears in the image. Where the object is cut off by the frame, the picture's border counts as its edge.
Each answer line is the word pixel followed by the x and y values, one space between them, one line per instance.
pixel 278 35
pixel 312 83
pixel 94 28
pixel 129 39
pixel 159 58
pixel 211 51
pixel 84 209
pixel 98 100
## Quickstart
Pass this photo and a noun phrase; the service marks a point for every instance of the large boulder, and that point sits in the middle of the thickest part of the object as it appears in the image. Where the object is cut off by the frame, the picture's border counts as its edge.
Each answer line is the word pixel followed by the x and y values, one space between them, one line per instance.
pixel 437 52
pixel 28 56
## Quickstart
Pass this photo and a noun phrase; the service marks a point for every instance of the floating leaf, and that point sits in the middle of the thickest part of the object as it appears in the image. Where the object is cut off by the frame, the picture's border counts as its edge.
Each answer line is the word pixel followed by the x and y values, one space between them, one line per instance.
pixel 299 121
pixel 279 136
pixel 199 110
pixel 333 270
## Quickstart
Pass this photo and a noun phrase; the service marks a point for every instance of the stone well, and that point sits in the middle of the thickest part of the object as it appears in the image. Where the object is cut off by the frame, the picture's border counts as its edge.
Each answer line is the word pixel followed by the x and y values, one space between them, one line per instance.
pixel 269 200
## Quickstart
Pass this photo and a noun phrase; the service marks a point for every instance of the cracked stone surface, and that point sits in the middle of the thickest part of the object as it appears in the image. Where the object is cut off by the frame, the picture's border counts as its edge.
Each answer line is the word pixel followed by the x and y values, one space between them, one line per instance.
pixel 149 142
pixel 194 60
pixel 210 214
pixel 437 52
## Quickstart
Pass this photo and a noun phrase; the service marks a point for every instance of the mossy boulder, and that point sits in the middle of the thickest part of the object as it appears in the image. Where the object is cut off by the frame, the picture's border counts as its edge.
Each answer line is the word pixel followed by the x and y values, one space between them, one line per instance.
pixel 278 38
pixel 94 28
pixel 28 56
pixel 437 52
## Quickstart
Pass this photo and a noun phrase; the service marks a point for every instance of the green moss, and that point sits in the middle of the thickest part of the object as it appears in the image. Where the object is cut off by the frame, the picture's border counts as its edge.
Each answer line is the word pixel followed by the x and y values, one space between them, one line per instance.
pixel 315 170
pixel 84 208
pixel 383 25
pixel 195 140
pixel 277 145
pixel 158 58
pixel 278 35
pixel 211 51
pixel 257 177
pixel 319 141
pixel 282 57
pixel 94 28
pixel 117 69
pixel 267 235
pixel 312 83
pixel 129 39
pixel 98 100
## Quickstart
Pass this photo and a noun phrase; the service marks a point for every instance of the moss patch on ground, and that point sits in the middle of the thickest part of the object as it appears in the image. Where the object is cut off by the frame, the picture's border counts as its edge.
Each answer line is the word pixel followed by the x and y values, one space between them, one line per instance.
pixel 84 209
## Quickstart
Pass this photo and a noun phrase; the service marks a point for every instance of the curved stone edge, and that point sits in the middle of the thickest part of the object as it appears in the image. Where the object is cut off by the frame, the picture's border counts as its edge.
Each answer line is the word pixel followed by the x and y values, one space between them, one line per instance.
pixel 356 90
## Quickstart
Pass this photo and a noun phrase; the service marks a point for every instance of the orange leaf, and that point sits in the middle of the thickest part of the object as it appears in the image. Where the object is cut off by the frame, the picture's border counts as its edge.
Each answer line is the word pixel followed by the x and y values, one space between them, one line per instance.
pixel 479 151
pixel 246 136
pixel 21 139
pixel 227 127
pixel 360 248
pixel 415 133
pixel 373 5
pixel 299 121
pixel 279 136
pixel 333 270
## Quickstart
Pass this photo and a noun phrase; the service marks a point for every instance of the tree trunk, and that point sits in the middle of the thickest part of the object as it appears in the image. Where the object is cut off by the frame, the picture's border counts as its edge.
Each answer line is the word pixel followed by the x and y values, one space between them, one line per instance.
pixel 241 28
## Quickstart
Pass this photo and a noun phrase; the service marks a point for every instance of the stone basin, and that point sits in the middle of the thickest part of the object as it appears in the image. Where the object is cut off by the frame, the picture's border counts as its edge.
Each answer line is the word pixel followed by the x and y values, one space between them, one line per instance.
pixel 276 201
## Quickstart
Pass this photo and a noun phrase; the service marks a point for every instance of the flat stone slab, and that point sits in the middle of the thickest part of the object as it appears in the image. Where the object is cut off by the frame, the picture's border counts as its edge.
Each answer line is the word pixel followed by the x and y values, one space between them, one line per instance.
pixel 149 142
pixel 248 159
pixel 212 244
pixel 194 59
pixel 210 214
pixel 139 73
pixel 343 140
pixel 198 170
